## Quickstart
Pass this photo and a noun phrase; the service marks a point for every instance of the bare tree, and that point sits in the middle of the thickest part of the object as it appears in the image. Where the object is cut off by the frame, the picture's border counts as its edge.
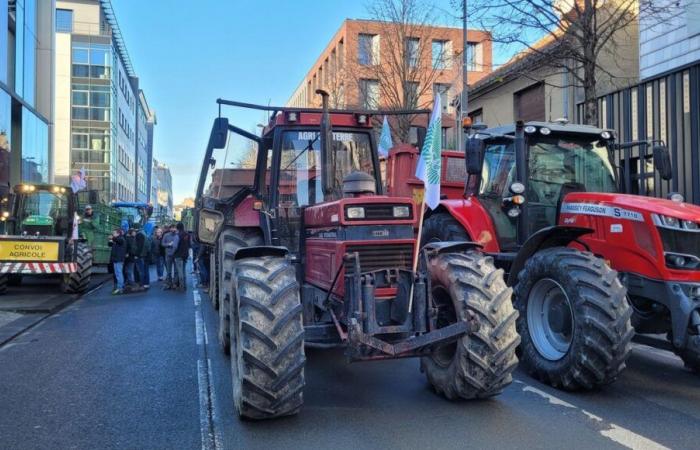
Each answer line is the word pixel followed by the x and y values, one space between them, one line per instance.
pixel 406 67
pixel 571 36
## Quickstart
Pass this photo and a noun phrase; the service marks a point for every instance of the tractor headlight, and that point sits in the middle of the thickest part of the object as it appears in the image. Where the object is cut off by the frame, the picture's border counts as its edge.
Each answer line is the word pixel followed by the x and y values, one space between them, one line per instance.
pixel 355 212
pixel 545 131
pixel 605 135
pixel 690 225
pixel 530 129
pixel 402 212
pixel 666 221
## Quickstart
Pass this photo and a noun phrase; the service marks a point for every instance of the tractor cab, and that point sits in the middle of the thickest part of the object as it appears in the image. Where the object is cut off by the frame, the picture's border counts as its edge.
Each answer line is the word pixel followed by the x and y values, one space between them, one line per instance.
pixel 522 173
pixel 133 214
pixel 41 210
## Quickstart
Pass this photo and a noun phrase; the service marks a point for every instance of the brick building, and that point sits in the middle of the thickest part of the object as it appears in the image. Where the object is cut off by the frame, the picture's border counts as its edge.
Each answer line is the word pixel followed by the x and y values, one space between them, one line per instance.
pixel 364 53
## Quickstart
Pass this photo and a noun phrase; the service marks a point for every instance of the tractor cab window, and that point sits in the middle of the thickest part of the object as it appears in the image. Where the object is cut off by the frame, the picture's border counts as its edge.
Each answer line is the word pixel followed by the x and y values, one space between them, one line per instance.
pixel 45 213
pixel 300 182
pixel 497 174
pixel 560 165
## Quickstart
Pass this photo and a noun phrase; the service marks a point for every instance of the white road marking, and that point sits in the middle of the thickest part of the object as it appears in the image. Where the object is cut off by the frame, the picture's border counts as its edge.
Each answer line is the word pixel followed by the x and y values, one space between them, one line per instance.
pixel 199 327
pixel 609 430
pixel 212 400
pixel 208 438
pixel 197 297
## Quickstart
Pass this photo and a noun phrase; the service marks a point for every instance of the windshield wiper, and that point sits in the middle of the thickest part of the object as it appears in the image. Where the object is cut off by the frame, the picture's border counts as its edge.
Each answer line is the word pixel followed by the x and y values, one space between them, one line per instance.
pixel 308 147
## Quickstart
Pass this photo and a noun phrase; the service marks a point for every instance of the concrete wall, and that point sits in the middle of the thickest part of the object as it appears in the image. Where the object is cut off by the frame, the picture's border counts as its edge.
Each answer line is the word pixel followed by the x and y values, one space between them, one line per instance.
pixel 669 40
pixel 62 109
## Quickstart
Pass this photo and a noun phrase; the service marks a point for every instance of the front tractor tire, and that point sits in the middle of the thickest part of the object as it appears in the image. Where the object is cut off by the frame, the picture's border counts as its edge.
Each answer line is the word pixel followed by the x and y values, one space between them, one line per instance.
pixel 574 319
pixel 230 240
pixel 480 364
pixel 267 339
pixel 78 282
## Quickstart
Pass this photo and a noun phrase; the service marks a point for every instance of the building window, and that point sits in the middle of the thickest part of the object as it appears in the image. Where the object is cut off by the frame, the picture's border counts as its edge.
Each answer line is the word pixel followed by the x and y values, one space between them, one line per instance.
pixel 368 49
pixel 92 61
pixel 64 21
pixel 411 95
pixel 412 49
pixel 441 54
pixel 474 57
pixel 369 94
pixel 35 148
pixel 477 116
pixel 442 90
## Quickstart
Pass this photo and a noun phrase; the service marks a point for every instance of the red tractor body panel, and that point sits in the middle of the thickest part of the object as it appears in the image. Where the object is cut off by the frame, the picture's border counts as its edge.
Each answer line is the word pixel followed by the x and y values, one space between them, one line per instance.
pixel 401 169
pixel 625 234
pixel 470 213
pixel 330 235
pixel 244 215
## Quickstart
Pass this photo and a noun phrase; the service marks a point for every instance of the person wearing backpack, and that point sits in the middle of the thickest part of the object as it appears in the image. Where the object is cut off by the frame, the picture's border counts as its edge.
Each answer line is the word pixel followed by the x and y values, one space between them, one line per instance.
pixel 143 251
pixel 181 255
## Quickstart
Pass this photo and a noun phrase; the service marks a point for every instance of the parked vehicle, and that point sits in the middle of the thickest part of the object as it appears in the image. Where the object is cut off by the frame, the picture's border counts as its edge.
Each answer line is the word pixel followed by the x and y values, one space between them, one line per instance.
pixel 39 240
pixel 587 262
pixel 311 253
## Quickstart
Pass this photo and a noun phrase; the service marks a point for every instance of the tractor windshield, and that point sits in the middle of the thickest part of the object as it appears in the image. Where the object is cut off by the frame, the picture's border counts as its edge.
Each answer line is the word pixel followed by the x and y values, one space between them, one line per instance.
pixel 300 165
pixel 45 204
pixel 559 165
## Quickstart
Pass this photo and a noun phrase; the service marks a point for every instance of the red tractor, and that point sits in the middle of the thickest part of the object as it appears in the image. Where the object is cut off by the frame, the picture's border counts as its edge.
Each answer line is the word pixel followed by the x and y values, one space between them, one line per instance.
pixel 312 254
pixel 544 199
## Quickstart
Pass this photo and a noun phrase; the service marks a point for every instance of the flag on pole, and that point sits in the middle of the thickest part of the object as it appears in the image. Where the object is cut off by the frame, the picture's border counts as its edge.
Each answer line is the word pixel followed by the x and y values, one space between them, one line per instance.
pixel 385 139
pixel 78 181
pixel 429 163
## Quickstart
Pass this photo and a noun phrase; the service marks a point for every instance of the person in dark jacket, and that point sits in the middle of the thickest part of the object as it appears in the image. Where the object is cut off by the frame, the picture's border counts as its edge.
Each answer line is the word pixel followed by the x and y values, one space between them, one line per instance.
pixel 143 250
pixel 181 255
pixel 130 260
pixel 117 257
pixel 158 252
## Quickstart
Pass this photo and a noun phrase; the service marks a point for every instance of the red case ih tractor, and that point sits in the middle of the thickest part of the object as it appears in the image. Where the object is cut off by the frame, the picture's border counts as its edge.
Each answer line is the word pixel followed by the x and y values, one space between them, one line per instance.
pixel 312 254
pixel 543 199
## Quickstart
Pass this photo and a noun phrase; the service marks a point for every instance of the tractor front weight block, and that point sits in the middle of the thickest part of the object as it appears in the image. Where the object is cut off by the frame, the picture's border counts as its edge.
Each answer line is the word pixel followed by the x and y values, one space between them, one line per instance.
pixel 395 326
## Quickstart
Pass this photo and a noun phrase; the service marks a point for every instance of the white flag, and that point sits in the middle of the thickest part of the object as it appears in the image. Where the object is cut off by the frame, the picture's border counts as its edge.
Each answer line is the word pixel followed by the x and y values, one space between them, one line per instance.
pixel 385 142
pixel 429 166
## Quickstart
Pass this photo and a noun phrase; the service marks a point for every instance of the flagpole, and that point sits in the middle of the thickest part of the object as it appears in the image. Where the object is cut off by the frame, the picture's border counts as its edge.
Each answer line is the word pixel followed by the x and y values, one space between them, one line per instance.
pixel 416 253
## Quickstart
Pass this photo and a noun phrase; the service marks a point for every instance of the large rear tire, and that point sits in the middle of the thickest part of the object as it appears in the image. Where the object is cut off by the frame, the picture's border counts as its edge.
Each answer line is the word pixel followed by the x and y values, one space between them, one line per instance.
pixel 79 281
pixel 230 240
pixel 479 364
pixel 267 339
pixel 442 227
pixel 574 319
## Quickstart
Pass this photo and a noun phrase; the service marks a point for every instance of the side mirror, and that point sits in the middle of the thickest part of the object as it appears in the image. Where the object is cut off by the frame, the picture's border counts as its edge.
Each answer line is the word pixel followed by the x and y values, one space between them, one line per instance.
pixel 475 156
pixel 219 133
pixel 662 162
pixel 208 225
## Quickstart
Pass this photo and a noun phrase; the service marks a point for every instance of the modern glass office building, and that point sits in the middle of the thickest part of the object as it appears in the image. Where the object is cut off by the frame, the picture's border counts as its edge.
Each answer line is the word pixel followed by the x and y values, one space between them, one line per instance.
pixel 97 104
pixel 26 91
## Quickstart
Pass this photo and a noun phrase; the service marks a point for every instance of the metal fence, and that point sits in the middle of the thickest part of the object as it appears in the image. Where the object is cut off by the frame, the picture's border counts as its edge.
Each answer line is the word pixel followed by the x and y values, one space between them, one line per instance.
pixel 665 108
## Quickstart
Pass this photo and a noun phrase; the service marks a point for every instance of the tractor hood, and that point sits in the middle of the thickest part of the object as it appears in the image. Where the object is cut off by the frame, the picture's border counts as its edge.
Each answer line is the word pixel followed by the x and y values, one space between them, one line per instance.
pixel 363 210
pixel 37 220
pixel 627 202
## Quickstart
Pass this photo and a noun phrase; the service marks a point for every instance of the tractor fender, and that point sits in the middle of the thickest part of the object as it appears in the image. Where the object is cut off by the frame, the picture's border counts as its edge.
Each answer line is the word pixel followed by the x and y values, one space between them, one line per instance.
pixel 474 218
pixel 553 236
pixel 450 247
pixel 260 250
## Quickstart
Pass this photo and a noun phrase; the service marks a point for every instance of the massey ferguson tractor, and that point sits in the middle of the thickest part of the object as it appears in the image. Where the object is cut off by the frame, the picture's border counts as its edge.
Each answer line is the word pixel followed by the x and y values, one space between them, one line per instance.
pixel 38 238
pixel 312 254
pixel 545 200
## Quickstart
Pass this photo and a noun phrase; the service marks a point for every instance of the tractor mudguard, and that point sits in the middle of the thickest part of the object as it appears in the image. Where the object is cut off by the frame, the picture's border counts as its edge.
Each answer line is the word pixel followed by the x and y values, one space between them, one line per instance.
pixel 553 236
pixel 260 250
pixel 450 247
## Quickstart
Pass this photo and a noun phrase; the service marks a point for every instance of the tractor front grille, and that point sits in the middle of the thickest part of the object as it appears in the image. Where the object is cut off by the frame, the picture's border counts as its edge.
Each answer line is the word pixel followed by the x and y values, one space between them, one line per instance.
pixel 41 230
pixel 380 256
pixel 382 211
pixel 679 241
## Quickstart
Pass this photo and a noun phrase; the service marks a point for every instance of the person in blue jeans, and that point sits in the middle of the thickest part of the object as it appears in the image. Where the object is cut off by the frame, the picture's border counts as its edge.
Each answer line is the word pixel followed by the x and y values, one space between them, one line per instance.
pixel 158 252
pixel 143 250
pixel 117 257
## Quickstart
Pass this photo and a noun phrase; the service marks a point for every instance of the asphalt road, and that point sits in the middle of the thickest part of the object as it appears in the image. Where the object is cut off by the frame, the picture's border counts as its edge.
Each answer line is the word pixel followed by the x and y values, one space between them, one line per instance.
pixel 144 371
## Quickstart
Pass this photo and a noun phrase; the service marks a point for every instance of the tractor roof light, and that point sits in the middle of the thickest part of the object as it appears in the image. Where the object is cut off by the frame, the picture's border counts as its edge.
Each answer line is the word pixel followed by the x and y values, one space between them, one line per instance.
pixel 518 199
pixel 292 116
pixel 517 188
pixel 530 129
pixel 545 131
pixel 676 197
pixel 606 135
pixel 5 214
pixel 362 119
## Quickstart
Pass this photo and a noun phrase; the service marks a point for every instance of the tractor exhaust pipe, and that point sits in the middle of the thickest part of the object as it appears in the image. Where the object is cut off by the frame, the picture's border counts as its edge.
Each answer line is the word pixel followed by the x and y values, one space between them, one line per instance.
pixel 326 138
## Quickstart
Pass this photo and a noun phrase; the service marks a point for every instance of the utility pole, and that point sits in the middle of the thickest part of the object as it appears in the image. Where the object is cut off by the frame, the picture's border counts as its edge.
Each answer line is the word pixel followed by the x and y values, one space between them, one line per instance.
pixel 465 85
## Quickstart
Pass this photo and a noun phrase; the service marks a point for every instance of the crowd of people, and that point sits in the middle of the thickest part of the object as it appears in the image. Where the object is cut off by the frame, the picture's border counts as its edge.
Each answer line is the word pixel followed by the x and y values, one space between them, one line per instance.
pixel 168 249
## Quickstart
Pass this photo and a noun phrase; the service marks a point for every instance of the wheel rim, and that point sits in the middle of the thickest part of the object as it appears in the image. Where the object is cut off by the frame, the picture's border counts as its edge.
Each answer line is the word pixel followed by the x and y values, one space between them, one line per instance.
pixel 446 315
pixel 550 319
